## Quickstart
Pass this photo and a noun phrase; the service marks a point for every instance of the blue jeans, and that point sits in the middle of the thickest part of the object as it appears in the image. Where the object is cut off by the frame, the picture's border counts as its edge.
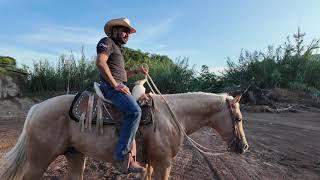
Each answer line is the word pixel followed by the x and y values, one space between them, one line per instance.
pixel 131 118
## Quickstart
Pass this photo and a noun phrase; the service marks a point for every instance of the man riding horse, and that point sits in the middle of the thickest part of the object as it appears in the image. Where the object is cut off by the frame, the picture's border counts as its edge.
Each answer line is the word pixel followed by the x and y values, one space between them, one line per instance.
pixel 49 129
pixel 113 76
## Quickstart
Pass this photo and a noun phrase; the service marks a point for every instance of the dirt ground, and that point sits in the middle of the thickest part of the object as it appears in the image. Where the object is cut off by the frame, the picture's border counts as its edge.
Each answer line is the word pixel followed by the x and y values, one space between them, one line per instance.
pixel 282 146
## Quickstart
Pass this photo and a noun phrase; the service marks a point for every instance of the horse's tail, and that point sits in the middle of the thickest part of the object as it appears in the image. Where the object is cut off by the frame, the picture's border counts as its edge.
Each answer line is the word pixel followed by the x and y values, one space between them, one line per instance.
pixel 13 163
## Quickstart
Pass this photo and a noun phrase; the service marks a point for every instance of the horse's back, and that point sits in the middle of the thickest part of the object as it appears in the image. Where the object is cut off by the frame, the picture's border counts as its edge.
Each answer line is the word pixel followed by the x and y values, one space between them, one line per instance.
pixel 58 102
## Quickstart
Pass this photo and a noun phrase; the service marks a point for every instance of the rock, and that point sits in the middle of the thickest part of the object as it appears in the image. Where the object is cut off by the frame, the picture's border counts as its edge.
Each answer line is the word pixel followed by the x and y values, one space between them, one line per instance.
pixel 8 87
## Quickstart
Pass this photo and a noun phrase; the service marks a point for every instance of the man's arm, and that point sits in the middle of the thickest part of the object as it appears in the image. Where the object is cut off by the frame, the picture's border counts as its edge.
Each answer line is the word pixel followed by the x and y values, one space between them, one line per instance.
pixel 104 69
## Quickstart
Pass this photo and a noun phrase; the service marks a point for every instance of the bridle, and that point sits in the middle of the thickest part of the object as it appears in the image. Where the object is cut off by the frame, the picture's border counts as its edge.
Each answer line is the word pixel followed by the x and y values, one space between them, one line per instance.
pixel 235 122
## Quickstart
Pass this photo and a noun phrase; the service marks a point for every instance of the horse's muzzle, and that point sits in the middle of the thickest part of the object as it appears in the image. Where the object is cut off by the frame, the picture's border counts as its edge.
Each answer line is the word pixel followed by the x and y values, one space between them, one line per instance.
pixel 238 146
pixel 244 148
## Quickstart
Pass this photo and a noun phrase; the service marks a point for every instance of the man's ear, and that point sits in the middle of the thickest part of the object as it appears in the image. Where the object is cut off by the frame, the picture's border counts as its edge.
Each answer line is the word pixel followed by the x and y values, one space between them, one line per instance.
pixel 237 99
pixel 114 32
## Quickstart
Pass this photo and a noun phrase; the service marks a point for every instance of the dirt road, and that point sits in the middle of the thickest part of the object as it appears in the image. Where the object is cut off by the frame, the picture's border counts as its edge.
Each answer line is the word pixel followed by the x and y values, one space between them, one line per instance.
pixel 282 146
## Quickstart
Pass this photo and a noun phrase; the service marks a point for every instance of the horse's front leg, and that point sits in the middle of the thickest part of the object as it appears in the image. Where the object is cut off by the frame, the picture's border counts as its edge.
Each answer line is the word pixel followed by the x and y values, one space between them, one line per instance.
pixel 162 170
pixel 148 173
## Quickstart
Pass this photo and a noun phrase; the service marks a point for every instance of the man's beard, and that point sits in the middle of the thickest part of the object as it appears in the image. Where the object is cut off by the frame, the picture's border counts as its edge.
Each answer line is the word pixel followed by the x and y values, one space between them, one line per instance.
pixel 122 40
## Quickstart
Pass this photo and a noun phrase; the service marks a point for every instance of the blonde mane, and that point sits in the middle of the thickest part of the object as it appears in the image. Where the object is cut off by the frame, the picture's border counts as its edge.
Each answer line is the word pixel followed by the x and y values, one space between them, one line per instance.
pixel 220 98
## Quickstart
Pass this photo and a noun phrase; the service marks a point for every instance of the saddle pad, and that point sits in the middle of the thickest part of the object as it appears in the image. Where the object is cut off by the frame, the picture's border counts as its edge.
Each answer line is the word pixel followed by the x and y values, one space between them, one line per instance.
pixel 87 104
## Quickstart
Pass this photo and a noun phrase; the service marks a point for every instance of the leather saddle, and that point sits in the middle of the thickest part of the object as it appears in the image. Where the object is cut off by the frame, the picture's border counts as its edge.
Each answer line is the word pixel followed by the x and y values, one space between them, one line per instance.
pixel 92 108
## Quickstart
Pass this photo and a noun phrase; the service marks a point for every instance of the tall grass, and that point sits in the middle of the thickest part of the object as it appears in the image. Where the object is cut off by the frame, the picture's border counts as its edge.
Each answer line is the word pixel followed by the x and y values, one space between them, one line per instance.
pixel 80 73
pixel 284 66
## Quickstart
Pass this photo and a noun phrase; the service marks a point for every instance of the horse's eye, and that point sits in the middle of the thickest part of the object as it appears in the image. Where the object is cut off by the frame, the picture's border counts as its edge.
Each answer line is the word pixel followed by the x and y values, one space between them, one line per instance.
pixel 238 119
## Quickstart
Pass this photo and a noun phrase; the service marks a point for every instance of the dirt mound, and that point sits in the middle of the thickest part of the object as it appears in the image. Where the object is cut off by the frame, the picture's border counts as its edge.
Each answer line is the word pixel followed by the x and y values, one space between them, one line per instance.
pixel 277 100
pixel 290 96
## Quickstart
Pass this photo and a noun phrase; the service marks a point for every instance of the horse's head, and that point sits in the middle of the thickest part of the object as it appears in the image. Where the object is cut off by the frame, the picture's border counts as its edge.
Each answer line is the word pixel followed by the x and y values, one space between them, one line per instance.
pixel 228 123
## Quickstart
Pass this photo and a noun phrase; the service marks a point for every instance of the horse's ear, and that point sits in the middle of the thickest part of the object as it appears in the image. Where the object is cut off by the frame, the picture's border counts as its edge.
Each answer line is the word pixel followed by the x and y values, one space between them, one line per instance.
pixel 237 99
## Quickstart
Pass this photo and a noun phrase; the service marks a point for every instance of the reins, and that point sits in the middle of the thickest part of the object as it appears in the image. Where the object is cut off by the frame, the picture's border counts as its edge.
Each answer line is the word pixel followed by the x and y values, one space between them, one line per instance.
pixel 196 145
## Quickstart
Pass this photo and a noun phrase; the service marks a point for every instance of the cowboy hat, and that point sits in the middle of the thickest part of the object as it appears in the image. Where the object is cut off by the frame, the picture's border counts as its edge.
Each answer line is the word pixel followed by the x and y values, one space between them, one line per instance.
pixel 118 22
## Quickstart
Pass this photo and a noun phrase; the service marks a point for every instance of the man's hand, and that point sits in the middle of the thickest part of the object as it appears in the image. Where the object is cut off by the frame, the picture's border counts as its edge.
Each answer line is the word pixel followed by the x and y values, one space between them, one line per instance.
pixel 123 88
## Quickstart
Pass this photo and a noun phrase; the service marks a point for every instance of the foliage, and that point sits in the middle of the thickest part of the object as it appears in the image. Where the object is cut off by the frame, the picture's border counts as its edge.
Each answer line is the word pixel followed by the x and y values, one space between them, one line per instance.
pixel 291 65
pixel 288 66
pixel 50 77
pixel 8 68
pixel 207 81
pixel 7 61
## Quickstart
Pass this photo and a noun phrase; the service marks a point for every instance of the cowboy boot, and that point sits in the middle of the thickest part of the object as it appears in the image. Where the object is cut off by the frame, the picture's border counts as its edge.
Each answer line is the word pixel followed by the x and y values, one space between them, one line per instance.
pixel 129 165
pixel 133 166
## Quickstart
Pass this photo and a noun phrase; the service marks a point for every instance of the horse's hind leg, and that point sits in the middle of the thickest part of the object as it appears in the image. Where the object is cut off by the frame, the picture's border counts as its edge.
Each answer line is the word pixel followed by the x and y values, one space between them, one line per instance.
pixel 43 147
pixel 76 165
pixel 37 163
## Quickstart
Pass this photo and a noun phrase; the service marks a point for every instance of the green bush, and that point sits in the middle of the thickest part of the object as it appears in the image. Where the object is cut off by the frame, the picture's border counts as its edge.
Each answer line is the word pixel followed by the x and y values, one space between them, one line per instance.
pixel 50 77
pixel 288 67
pixel 7 61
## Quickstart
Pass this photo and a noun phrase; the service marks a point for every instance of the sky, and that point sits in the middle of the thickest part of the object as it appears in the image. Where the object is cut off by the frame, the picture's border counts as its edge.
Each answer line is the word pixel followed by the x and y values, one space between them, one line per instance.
pixel 206 32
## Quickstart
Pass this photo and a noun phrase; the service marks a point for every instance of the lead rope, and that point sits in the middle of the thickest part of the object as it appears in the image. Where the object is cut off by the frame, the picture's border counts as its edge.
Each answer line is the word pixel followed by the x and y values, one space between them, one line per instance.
pixel 193 142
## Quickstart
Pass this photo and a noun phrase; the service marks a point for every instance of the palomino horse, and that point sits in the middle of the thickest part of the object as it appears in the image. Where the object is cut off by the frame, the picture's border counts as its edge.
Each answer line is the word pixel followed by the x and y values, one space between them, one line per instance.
pixel 48 132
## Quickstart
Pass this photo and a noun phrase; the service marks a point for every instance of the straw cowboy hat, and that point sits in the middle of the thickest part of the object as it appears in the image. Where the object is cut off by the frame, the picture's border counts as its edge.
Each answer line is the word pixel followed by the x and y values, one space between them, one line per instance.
pixel 118 22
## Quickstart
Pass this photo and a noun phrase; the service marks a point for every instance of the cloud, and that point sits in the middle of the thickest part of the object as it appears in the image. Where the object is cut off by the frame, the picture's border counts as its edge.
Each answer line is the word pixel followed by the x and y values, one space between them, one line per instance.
pixel 59 34
pixel 29 56
pixel 26 56
pixel 149 34
pixel 66 37
pixel 65 34
pixel 217 70
pixel 49 41
pixel 158 28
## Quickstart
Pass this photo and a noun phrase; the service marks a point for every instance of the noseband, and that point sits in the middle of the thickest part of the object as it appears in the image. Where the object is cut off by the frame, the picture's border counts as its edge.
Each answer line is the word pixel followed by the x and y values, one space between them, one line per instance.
pixel 235 122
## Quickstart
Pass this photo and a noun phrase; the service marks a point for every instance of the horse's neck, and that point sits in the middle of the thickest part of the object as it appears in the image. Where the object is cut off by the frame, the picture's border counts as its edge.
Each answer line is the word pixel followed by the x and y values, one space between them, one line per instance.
pixel 194 110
